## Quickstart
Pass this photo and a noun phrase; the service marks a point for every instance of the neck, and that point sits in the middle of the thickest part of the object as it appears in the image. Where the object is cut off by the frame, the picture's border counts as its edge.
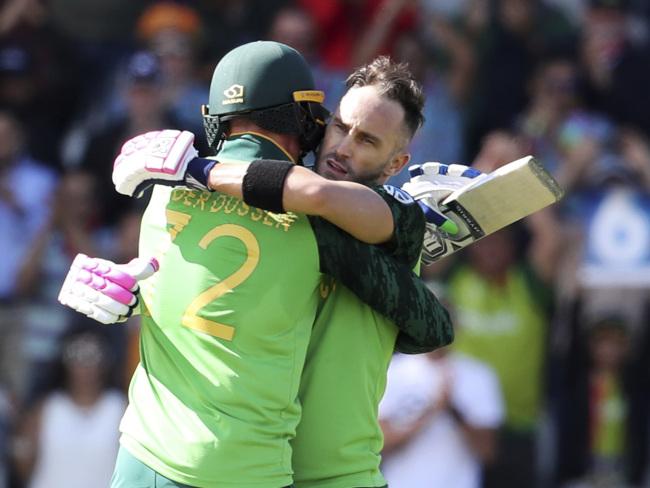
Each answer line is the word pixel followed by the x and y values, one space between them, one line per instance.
pixel 288 142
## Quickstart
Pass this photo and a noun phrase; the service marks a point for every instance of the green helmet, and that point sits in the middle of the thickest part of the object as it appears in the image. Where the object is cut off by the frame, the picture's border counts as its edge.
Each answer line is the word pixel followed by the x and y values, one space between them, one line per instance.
pixel 270 83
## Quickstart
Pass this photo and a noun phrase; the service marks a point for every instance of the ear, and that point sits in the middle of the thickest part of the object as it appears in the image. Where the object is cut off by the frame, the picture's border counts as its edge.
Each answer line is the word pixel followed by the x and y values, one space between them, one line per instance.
pixel 397 163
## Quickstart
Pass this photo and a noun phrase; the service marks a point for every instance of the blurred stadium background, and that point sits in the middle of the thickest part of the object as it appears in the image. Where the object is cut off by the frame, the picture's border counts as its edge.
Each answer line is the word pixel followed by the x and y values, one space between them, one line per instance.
pixel 555 308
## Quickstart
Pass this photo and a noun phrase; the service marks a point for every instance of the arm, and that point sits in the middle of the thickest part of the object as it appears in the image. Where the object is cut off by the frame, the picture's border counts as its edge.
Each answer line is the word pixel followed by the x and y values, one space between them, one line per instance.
pixel 168 158
pixel 396 438
pixel 25 442
pixel 481 440
pixel 353 207
pixel 389 288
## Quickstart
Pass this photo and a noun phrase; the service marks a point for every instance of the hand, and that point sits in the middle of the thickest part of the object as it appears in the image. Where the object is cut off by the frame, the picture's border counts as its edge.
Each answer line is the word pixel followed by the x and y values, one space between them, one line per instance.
pixel 431 183
pixel 165 157
pixel 103 290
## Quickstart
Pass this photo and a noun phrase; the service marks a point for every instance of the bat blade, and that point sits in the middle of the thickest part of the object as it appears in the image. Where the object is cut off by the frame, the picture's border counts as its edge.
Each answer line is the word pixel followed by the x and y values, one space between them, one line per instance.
pixel 494 201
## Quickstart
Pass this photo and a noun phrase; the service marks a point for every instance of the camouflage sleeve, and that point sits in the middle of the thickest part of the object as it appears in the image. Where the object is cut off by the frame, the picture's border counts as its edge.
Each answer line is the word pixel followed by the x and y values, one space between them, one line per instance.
pixel 406 243
pixel 388 287
pixel 405 246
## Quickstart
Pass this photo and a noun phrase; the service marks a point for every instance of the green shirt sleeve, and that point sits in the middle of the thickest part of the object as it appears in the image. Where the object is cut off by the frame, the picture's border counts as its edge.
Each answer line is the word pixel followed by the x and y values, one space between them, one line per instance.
pixel 390 288
pixel 406 243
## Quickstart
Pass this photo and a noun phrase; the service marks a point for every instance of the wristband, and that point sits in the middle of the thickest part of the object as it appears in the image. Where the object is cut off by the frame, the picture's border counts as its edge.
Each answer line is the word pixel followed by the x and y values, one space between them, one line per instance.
pixel 263 184
pixel 198 173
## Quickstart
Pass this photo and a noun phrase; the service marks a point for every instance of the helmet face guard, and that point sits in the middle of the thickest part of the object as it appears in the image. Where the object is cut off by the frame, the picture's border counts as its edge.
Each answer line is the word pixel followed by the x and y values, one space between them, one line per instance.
pixel 306 117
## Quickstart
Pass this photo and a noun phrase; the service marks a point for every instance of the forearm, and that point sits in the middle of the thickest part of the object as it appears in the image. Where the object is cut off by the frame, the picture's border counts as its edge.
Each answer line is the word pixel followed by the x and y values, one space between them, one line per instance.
pixel 352 207
pixel 391 289
pixel 482 442
pixel 31 265
pixel 396 438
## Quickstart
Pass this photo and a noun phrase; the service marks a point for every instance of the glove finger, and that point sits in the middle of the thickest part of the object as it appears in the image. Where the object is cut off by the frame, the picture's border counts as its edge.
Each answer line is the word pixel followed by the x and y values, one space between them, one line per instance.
pixel 111 272
pixel 100 299
pixel 78 303
pixel 141 268
pixel 431 168
pixel 434 168
pixel 101 315
pixel 106 287
pixel 438 219
pixel 460 170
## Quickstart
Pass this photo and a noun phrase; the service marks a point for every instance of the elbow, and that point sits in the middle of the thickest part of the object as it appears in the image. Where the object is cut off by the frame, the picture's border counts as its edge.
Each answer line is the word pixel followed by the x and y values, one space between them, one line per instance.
pixel 447 330
pixel 447 338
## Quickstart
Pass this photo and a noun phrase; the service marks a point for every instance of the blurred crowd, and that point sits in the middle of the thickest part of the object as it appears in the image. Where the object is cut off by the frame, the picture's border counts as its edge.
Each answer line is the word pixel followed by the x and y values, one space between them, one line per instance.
pixel 548 381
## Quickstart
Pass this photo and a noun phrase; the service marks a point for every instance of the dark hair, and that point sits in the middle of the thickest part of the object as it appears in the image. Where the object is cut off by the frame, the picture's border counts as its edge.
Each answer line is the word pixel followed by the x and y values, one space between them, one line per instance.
pixel 394 81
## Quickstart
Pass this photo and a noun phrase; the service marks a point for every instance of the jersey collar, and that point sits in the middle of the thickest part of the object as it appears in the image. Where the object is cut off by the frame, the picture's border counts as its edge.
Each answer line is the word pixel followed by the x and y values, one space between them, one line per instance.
pixel 252 145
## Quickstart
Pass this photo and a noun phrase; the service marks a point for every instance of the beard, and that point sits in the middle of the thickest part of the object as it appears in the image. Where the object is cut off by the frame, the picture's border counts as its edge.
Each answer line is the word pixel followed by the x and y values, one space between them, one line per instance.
pixel 371 177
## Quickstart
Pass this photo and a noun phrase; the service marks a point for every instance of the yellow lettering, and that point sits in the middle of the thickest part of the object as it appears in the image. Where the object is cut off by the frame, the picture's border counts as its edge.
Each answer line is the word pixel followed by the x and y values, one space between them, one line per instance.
pixel 256 214
pixel 204 196
pixel 177 195
pixel 190 195
pixel 218 203
pixel 231 205
pixel 243 209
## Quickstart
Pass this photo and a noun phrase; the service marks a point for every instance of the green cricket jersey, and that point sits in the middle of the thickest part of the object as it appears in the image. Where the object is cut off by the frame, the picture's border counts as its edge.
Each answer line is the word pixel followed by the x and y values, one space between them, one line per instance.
pixel 504 326
pixel 339 440
pixel 225 327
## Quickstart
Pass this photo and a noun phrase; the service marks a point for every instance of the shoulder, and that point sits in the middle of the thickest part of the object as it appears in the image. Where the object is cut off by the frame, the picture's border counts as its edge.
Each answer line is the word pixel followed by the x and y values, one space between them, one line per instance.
pixel 409 224
pixel 114 399
pixel 395 195
pixel 36 172
pixel 474 371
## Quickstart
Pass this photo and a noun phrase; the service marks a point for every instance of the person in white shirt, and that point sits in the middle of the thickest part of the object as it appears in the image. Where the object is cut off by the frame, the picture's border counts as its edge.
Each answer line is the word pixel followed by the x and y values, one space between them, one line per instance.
pixel 440 415
pixel 70 439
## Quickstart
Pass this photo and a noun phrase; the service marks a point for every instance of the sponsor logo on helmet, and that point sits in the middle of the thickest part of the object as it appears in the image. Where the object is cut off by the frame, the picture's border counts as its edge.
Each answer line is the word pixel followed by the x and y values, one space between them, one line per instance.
pixel 234 94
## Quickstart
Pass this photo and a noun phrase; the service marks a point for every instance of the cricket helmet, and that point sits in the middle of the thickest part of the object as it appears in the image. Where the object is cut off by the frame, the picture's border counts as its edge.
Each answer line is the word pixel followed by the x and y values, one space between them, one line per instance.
pixel 271 84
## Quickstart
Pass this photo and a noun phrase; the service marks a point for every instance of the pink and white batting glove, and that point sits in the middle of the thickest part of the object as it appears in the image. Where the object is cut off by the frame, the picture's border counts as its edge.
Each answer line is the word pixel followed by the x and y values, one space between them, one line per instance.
pixel 103 290
pixel 160 157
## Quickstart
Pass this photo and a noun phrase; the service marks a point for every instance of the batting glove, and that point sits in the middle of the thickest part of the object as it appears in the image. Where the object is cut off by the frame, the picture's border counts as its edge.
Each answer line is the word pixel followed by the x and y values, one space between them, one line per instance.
pixel 165 157
pixel 430 184
pixel 103 290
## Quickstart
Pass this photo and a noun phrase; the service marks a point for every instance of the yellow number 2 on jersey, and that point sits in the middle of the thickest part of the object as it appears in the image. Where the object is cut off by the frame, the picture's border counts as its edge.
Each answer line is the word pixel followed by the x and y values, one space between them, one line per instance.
pixel 191 317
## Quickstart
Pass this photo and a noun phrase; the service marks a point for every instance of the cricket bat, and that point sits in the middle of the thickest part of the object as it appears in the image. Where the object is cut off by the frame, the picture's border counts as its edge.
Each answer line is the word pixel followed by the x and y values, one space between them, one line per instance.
pixel 492 202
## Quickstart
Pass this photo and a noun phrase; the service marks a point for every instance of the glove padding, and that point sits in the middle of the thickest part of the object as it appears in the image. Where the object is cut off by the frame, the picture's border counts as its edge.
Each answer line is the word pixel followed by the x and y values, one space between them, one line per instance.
pixel 159 157
pixel 103 290
pixel 430 184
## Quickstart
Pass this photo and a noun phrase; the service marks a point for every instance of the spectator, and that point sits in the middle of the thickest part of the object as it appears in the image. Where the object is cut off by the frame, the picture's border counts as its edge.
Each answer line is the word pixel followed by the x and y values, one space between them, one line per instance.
pixel 503 311
pixel 604 416
pixel 508 36
pixel 72 228
pixel 616 70
pixel 38 81
pixel 606 172
pixel 26 187
pixel 229 24
pixel 98 36
pixel 173 32
pixel 441 136
pixel 293 26
pixel 354 32
pixel 440 416
pixel 71 439
pixel 145 111
pixel 554 97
